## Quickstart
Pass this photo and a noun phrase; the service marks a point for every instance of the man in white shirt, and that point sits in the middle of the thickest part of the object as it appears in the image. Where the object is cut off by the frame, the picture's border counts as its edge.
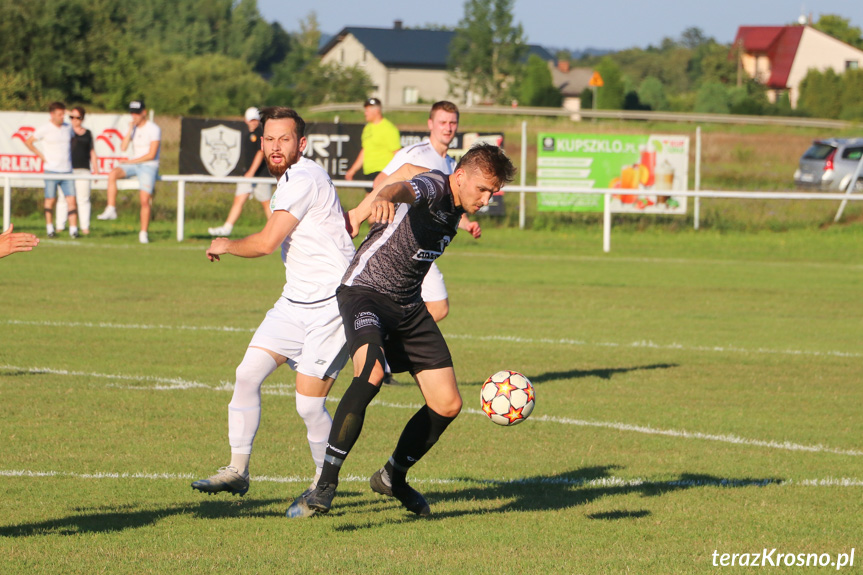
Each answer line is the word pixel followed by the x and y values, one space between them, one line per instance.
pixel 56 138
pixel 146 138
pixel 304 328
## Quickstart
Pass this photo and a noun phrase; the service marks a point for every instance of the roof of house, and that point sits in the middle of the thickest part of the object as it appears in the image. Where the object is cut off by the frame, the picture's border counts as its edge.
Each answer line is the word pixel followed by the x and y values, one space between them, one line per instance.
pixel 408 47
pixel 779 43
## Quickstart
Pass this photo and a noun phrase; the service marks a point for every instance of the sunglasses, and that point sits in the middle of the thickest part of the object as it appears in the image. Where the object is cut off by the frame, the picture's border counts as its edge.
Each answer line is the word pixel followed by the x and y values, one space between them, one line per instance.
pixel 74 117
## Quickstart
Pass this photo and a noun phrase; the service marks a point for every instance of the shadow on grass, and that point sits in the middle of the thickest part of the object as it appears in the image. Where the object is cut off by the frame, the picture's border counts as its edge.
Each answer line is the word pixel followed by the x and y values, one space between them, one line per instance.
pixel 120 518
pixel 558 492
pixel 606 373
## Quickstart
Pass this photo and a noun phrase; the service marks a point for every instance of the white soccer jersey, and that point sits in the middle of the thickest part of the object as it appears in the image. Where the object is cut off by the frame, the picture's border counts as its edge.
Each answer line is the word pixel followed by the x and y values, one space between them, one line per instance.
pixel 56 146
pixel 318 251
pixel 142 137
pixel 423 155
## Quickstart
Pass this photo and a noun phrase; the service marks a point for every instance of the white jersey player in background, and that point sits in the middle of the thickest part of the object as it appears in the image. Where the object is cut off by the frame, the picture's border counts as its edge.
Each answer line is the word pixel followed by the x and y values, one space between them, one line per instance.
pixel 431 154
pixel 304 328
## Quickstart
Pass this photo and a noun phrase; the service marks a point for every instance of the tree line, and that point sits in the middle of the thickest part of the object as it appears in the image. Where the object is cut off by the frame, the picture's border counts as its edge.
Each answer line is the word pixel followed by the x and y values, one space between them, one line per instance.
pixel 193 57
pixel 216 57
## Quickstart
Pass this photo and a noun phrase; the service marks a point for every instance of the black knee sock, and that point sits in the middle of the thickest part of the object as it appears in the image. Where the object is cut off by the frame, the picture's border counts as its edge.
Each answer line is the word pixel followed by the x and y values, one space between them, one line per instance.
pixel 419 435
pixel 347 425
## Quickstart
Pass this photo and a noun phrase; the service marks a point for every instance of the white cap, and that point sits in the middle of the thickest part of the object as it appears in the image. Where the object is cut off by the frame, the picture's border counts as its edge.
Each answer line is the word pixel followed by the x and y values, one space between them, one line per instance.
pixel 252 114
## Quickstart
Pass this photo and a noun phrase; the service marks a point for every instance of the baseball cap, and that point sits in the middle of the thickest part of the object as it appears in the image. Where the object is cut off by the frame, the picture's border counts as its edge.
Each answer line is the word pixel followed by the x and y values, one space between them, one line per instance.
pixel 252 114
pixel 136 106
pixel 372 102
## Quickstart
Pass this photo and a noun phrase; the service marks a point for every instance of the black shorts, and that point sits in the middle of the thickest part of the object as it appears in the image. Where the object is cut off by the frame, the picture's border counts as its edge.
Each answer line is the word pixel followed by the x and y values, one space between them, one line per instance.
pixel 409 335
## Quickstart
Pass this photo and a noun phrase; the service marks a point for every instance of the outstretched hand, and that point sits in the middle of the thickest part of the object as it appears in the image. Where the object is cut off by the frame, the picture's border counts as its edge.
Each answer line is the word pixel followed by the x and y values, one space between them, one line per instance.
pixel 11 243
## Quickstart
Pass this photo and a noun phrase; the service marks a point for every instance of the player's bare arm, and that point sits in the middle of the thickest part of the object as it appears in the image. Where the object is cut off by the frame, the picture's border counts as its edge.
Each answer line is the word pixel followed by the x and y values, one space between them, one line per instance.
pixel 383 208
pixel 363 210
pixel 262 243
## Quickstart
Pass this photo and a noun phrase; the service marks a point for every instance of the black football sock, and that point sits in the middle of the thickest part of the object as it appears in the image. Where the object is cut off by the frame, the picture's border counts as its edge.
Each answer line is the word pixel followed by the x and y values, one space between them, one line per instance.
pixel 347 425
pixel 419 435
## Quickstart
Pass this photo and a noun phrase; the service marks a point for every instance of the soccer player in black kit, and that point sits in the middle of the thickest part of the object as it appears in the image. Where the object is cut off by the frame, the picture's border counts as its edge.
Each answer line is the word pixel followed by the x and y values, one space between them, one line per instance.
pixel 384 315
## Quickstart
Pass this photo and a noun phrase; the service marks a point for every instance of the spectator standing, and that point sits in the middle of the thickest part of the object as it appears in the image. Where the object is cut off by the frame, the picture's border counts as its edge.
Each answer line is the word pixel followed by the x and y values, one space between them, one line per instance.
pixel 56 156
pixel 256 168
pixel 381 140
pixel 84 162
pixel 146 138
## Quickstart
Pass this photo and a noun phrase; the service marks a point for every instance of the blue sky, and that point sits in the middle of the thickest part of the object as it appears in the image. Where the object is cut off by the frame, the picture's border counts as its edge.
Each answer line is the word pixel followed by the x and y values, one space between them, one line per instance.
pixel 573 24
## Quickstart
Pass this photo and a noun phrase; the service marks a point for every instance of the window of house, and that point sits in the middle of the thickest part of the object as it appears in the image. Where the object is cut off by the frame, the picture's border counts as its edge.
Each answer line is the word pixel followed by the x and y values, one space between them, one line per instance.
pixel 851 64
pixel 410 96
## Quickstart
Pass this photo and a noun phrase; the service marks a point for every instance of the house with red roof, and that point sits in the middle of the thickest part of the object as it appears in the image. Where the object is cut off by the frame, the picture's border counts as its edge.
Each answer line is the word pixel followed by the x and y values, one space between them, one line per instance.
pixel 779 57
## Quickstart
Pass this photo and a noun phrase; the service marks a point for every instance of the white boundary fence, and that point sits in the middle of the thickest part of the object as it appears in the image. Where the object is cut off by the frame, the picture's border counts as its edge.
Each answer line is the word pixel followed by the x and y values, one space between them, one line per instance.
pixel 181 181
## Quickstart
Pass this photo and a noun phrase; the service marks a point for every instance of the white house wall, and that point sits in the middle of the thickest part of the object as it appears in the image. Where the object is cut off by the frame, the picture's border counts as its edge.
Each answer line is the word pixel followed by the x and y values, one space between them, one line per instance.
pixel 350 52
pixel 818 50
pixel 390 84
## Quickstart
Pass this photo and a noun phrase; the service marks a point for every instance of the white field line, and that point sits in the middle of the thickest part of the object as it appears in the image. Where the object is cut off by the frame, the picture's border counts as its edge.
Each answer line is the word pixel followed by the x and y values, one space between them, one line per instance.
pixel 654 260
pixel 495 338
pixel 566 481
pixel 168 384
pixel 173 245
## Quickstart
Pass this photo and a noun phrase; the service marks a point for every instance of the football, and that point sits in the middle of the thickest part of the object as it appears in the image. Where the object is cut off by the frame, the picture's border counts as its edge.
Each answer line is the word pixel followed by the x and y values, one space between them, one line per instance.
pixel 507 397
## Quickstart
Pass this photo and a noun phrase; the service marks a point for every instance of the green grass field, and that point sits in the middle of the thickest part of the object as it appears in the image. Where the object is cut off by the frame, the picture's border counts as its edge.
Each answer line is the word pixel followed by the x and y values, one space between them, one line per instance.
pixel 697 392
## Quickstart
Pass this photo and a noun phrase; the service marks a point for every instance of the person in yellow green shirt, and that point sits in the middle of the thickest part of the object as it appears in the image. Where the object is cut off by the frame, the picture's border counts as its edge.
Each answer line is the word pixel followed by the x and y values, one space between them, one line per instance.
pixel 381 140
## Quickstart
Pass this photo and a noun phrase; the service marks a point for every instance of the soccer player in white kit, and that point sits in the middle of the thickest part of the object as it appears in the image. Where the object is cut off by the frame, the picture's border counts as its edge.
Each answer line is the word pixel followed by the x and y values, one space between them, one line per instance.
pixel 431 154
pixel 304 328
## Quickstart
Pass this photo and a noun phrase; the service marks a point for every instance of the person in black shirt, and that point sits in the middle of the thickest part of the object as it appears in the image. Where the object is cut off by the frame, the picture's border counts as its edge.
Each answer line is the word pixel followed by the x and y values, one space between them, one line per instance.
pixel 384 315
pixel 84 161
pixel 257 168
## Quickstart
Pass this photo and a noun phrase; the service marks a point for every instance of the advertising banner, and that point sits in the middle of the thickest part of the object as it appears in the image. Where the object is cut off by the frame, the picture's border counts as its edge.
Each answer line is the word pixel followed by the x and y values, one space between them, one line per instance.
pixel 647 169
pixel 15 127
pixel 212 147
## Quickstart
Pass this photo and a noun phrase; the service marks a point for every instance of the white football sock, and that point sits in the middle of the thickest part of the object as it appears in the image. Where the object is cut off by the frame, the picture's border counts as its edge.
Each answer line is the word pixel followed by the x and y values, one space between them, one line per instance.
pixel 244 411
pixel 318 422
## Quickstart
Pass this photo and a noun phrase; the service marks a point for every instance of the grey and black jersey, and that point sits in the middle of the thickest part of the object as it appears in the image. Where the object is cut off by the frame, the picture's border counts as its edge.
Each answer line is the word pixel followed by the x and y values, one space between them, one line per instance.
pixel 394 258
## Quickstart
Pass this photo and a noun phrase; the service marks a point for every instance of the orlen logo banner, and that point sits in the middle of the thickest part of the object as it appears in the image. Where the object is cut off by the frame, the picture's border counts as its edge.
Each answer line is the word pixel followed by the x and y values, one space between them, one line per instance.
pixel 16 158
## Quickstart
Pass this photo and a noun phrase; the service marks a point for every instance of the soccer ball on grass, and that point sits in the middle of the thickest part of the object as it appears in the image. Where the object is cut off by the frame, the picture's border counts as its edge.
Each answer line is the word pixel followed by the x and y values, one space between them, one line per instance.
pixel 507 397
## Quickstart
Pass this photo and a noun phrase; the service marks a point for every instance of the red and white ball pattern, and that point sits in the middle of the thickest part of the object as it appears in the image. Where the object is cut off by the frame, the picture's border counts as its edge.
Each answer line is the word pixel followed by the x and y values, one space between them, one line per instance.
pixel 507 397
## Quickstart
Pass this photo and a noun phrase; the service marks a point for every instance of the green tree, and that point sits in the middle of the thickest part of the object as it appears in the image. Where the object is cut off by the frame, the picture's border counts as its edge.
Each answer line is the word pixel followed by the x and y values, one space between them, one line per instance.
pixel 821 94
pixel 652 93
pixel 710 63
pixel 712 98
pixel 486 53
pixel 852 88
pixel 212 84
pixel 537 87
pixel 693 37
pixel 320 83
pixel 840 28
pixel 610 96
pixel 750 98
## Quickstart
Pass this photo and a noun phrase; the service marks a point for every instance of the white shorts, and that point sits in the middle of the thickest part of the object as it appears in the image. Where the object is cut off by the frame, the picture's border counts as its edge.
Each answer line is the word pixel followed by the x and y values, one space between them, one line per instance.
pixel 433 287
pixel 309 335
pixel 261 192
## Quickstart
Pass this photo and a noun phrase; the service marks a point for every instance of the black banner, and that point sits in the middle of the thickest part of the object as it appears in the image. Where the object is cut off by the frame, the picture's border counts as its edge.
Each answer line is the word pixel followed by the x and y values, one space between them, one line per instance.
pixel 214 147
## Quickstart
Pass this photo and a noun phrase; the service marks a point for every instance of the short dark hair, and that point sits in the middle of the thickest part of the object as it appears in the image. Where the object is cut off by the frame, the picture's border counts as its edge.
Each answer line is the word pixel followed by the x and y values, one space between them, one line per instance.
pixel 56 106
pixel 281 113
pixel 445 106
pixel 80 111
pixel 490 160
